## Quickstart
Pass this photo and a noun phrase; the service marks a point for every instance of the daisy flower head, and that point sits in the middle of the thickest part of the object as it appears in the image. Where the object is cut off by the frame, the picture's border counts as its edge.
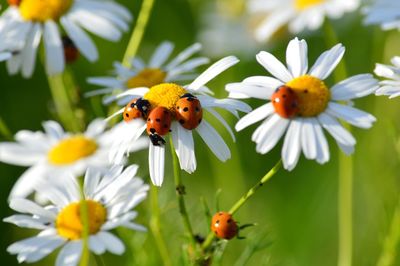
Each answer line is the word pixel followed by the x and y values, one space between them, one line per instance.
pixel 301 104
pixel 158 70
pixel 299 15
pixel 385 13
pixel 25 23
pixel 54 152
pixel 175 110
pixel 390 86
pixel 110 197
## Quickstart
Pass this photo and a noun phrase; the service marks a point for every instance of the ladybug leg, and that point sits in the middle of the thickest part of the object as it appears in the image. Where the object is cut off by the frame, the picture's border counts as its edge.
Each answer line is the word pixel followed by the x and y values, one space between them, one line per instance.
pixel 241 228
pixel 156 139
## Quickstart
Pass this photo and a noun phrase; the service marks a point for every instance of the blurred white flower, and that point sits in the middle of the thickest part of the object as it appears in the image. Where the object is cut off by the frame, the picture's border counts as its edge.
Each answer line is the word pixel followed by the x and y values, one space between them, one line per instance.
pixel 53 153
pixel 156 71
pixel 24 24
pixel 390 86
pixel 299 15
pixel 301 104
pixel 385 13
pixel 110 197
pixel 179 109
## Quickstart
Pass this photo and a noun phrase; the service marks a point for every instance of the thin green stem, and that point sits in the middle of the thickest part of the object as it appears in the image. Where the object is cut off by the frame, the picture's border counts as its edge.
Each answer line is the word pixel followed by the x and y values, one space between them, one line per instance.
pixel 345 195
pixel 63 103
pixel 4 131
pixel 245 198
pixel 138 32
pixel 156 228
pixel 84 214
pixel 180 194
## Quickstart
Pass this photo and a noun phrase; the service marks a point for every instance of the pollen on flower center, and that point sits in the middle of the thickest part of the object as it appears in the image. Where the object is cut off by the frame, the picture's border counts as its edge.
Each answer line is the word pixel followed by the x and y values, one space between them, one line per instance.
pixel 165 94
pixel 43 10
pixel 313 95
pixel 69 220
pixel 72 149
pixel 304 4
pixel 148 77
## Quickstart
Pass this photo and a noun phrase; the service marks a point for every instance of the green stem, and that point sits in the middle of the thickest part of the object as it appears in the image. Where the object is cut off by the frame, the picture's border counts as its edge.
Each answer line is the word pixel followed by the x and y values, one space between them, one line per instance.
pixel 138 32
pixel 63 103
pixel 345 195
pixel 180 194
pixel 245 198
pixel 84 214
pixel 155 227
pixel 4 130
pixel 389 251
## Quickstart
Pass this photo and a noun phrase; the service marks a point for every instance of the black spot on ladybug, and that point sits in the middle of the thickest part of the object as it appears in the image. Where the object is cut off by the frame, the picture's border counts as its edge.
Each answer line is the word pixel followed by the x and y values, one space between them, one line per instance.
pixel 158 120
pixel 185 109
pixel 219 214
pixel 215 232
pixel 177 108
pixel 197 109
pixel 126 114
pixel 181 121
pixel 165 126
pixel 148 119
pixel 132 105
pixel 277 89
pixel 284 95
pixel 305 91
pixel 229 221
pixel 217 222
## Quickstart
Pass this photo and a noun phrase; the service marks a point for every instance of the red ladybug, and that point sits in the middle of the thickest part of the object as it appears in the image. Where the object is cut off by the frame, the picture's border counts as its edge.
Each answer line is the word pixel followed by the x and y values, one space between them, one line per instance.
pixel 136 108
pixel 14 2
pixel 223 225
pixel 285 102
pixel 71 53
pixel 158 124
pixel 188 111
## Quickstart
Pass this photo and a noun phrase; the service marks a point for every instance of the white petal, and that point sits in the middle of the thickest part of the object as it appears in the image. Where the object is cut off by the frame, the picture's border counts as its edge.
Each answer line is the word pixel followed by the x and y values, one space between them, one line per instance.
pixel 256 115
pixel 296 57
pixel 96 245
pixel 27 221
pixel 55 60
pixel 182 56
pixel 17 154
pixel 327 62
pixel 322 145
pixel 273 23
pixel 30 50
pixel 112 243
pixel 270 133
pixel 248 90
pixel 354 87
pixel 27 206
pixel 292 145
pixel 26 183
pixel 213 71
pixel 274 66
pixel 351 115
pixel 214 141
pixel 308 138
pixel 161 54
pixel 70 254
pixel 184 147
pixel 223 122
pixel 156 164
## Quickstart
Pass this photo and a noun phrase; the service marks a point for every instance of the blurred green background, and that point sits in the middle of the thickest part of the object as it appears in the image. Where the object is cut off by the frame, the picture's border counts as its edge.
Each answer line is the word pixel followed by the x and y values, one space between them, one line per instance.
pixel 296 211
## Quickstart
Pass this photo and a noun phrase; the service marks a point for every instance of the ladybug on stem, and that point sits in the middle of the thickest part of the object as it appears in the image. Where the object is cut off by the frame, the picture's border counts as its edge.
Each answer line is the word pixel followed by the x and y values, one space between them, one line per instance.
pixel 71 53
pixel 136 108
pixel 158 125
pixel 188 111
pixel 225 227
pixel 285 102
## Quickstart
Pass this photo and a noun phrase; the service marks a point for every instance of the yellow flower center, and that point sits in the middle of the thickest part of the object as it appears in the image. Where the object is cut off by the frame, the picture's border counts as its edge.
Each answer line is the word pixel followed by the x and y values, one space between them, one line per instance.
pixel 42 10
pixel 304 4
pixel 148 77
pixel 69 221
pixel 165 94
pixel 313 95
pixel 72 149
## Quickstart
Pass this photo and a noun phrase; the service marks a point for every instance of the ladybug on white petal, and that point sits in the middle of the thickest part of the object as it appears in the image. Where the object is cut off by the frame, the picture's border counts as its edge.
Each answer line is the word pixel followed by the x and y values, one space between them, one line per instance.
pixel 285 102
pixel 188 111
pixel 158 125
pixel 136 108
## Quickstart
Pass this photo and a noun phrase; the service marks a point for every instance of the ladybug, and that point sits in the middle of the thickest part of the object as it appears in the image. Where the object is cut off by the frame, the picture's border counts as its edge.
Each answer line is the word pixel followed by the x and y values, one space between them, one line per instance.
pixel 223 225
pixel 136 108
pixel 71 53
pixel 158 124
pixel 188 111
pixel 14 2
pixel 285 102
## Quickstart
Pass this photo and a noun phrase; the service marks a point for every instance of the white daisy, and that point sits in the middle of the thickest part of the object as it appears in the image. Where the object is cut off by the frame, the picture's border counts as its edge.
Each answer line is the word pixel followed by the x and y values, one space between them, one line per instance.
pixel 301 104
pixel 168 96
pixel 51 154
pixel 391 86
pixel 25 24
pixel 158 70
pixel 385 13
pixel 110 197
pixel 297 14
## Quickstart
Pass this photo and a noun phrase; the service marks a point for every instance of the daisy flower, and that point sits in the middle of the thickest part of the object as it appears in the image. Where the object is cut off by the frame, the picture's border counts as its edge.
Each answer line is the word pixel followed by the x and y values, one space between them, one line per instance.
pixel 297 14
pixel 385 13
pixel 391 86
pixel 110 197
pixel 54 152
pixel 179 109
pixel 301 104
pixel 158 70
pixel 26 22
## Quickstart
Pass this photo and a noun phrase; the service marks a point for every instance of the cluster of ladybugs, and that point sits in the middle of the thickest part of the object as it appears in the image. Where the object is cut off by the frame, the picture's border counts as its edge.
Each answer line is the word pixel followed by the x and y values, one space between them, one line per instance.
pixel 188 113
